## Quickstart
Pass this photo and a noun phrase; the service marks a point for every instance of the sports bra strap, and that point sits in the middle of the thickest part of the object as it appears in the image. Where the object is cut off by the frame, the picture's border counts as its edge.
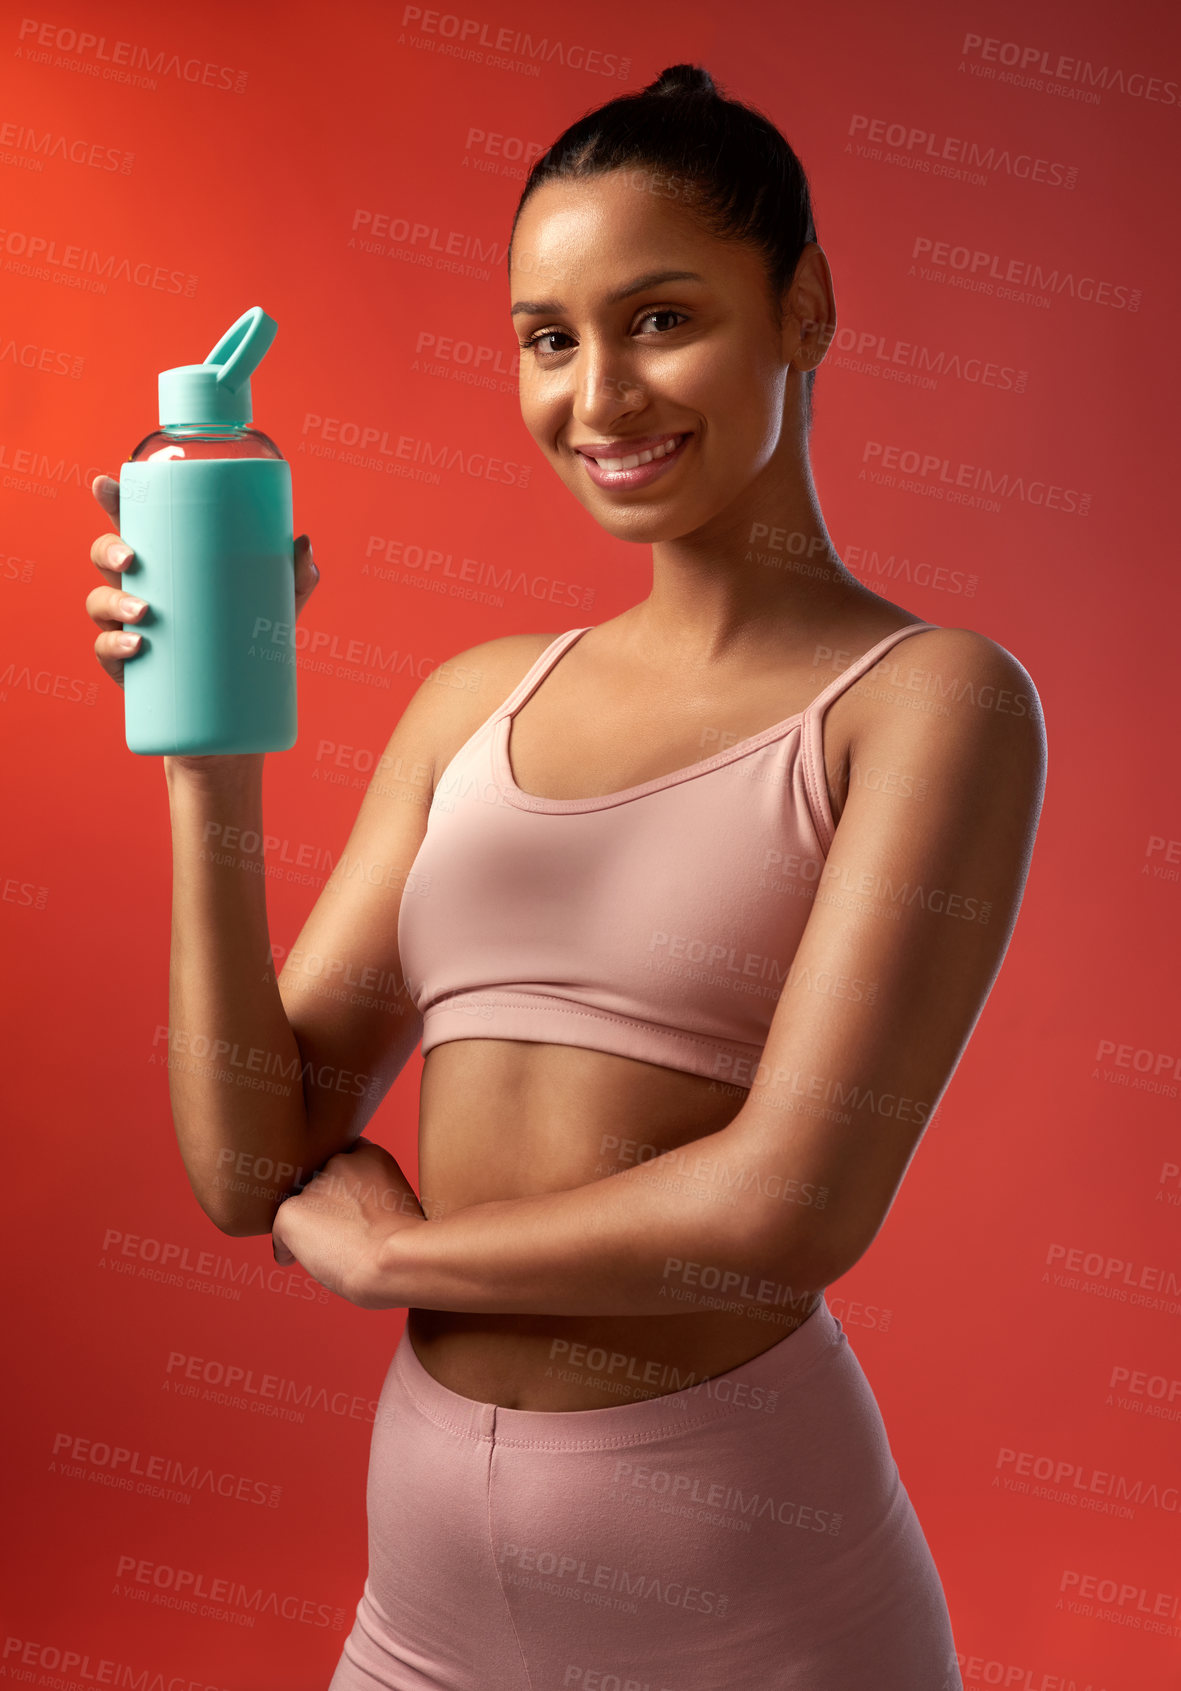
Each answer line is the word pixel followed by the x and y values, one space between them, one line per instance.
pixel 539 669
pixel 545 661
pixel 858 668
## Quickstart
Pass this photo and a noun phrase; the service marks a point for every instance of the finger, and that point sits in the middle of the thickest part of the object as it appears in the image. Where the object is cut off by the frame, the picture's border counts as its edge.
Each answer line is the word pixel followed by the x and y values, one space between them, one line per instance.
pixel 106 491
pixel 111 554
pixel 110 606
pixel 306 572
pixel 112 653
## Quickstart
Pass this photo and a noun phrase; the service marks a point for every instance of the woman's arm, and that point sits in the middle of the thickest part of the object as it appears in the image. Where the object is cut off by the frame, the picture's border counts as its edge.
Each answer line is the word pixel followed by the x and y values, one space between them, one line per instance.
pixel 917 903
pixel 256 1105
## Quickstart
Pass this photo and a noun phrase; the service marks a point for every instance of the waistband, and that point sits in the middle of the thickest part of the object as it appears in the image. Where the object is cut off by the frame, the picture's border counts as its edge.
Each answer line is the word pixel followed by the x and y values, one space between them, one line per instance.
pixel 754 1388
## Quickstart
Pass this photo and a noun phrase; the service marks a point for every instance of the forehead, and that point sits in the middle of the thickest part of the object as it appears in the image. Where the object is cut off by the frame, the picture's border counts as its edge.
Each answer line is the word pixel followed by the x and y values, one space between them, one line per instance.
pixel 591 234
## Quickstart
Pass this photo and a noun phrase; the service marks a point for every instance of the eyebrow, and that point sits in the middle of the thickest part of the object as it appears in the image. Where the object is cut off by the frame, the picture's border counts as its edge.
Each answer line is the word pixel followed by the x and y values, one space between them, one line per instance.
pixel 653 279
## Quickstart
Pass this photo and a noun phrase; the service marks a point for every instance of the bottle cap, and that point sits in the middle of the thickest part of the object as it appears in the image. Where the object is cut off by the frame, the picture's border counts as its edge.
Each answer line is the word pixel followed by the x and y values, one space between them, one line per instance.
pixel 218 391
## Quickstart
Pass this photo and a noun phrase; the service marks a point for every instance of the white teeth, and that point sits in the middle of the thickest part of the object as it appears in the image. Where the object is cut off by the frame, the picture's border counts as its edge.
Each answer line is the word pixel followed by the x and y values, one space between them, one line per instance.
pixel 639 457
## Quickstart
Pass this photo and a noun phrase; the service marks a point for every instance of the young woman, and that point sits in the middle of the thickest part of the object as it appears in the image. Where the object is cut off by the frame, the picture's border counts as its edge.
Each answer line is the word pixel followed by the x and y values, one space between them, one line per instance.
pixel 694 911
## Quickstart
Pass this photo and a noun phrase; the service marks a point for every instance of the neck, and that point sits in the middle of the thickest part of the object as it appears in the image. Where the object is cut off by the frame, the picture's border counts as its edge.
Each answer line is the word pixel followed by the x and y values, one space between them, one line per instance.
pixel 761 567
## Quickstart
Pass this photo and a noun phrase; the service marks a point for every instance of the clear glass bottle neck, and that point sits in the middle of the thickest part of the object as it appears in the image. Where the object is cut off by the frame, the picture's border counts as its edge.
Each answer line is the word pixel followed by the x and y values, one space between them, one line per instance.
pixel 204 428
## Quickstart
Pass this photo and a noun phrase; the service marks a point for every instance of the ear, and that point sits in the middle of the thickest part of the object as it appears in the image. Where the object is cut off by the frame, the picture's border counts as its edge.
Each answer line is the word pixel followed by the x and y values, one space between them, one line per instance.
pixel 810 314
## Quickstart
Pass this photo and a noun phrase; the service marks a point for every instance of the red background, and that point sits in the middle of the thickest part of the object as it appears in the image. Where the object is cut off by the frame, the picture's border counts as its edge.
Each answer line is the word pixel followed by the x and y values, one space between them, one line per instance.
pixel 199 192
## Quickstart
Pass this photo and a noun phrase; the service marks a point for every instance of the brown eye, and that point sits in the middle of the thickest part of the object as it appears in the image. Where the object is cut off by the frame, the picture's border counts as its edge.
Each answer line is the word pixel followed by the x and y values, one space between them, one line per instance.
pixel 540 335
pixel 535 340
pixel 664 311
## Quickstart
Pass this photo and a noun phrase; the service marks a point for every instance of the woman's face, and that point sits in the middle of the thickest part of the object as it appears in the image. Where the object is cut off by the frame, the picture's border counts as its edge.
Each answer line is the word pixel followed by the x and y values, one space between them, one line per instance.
pixel 625 356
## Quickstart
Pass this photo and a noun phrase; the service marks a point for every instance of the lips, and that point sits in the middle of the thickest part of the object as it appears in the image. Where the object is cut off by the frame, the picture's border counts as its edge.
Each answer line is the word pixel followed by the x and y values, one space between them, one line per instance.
pixel 633 463
pixel 615 452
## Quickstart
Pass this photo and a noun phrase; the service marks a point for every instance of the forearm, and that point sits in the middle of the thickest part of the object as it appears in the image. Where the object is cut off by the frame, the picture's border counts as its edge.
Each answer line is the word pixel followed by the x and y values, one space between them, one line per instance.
pixel 657 1239
pixel 234 1065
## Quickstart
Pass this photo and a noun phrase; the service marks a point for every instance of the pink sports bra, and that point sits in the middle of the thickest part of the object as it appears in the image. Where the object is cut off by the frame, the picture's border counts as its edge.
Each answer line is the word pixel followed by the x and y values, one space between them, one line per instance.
pixel 657 923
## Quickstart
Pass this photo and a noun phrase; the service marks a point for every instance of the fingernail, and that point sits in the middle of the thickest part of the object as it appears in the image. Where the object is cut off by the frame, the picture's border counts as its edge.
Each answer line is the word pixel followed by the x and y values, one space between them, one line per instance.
pixel 129 607
pixel 120 552
pixel 127 642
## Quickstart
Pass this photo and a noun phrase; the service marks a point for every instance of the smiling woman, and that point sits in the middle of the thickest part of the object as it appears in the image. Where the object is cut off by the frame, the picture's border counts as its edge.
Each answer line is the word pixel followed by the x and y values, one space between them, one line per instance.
pixel 690 988
pixel 695 910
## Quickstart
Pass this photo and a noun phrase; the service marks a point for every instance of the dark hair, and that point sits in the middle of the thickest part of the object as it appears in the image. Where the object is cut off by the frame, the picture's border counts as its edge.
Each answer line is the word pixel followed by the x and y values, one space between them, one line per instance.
pixel 728 163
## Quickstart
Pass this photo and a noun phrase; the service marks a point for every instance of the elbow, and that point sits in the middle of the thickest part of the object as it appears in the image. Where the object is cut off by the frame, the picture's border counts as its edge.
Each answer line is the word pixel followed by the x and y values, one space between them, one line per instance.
pixel 244 1227
pixel 785 1265
pixel 239 1215
pixel 238 1222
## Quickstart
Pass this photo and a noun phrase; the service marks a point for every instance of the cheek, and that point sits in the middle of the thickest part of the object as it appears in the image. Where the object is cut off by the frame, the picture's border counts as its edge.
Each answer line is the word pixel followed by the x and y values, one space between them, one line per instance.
pixel 542 417
pixel 732 386
pixel 754 396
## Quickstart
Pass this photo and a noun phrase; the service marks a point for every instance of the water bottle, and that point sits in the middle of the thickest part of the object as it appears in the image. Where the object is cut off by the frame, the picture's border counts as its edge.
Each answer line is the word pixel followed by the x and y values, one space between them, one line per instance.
pixel 205 504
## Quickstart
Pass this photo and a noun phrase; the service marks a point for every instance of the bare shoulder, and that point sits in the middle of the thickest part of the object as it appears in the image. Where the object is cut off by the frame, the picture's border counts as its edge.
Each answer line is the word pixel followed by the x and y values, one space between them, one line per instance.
pixel 975 656
pixel 962 709
pixel 462 691
pixel 956 674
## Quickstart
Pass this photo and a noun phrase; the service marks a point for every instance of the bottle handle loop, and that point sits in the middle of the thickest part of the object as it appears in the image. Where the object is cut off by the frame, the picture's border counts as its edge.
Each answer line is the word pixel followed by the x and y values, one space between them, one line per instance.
pixel 242 347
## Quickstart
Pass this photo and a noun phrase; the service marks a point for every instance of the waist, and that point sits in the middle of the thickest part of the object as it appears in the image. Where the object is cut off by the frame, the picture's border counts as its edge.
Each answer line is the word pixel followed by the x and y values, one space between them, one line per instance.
pixel 502 1119
pixel 672 1396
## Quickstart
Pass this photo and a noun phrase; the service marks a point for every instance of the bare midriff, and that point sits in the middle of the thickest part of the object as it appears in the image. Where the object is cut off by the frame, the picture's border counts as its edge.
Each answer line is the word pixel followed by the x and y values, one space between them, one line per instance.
pixel 504 1119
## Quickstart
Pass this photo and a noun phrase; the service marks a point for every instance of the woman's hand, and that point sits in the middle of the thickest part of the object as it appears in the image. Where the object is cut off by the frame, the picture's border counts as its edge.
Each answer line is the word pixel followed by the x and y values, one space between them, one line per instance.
pixel 336 1226
pixel 111 607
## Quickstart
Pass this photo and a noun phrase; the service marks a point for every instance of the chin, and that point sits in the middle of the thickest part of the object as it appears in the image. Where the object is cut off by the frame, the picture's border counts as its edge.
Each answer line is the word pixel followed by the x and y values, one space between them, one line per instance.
pixel 642 526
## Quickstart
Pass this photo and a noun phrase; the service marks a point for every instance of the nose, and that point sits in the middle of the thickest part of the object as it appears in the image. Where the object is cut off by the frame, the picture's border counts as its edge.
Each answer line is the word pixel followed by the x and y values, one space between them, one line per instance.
pixel 605 388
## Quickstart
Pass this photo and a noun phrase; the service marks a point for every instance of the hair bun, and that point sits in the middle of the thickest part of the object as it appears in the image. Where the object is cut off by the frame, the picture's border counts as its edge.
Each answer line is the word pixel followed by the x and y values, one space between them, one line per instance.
pixel 682 79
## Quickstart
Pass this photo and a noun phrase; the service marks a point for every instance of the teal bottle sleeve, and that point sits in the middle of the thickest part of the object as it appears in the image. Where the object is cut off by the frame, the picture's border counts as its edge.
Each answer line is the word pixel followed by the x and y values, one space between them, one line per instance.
pixel 214 559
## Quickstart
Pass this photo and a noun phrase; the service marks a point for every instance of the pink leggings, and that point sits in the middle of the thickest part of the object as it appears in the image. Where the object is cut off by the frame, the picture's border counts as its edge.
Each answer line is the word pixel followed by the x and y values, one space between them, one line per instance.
pixel 749 1533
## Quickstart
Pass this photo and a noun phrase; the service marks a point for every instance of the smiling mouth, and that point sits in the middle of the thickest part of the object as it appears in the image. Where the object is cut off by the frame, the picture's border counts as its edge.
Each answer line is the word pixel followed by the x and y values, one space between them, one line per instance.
pixel 627 471
pixel 649 454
